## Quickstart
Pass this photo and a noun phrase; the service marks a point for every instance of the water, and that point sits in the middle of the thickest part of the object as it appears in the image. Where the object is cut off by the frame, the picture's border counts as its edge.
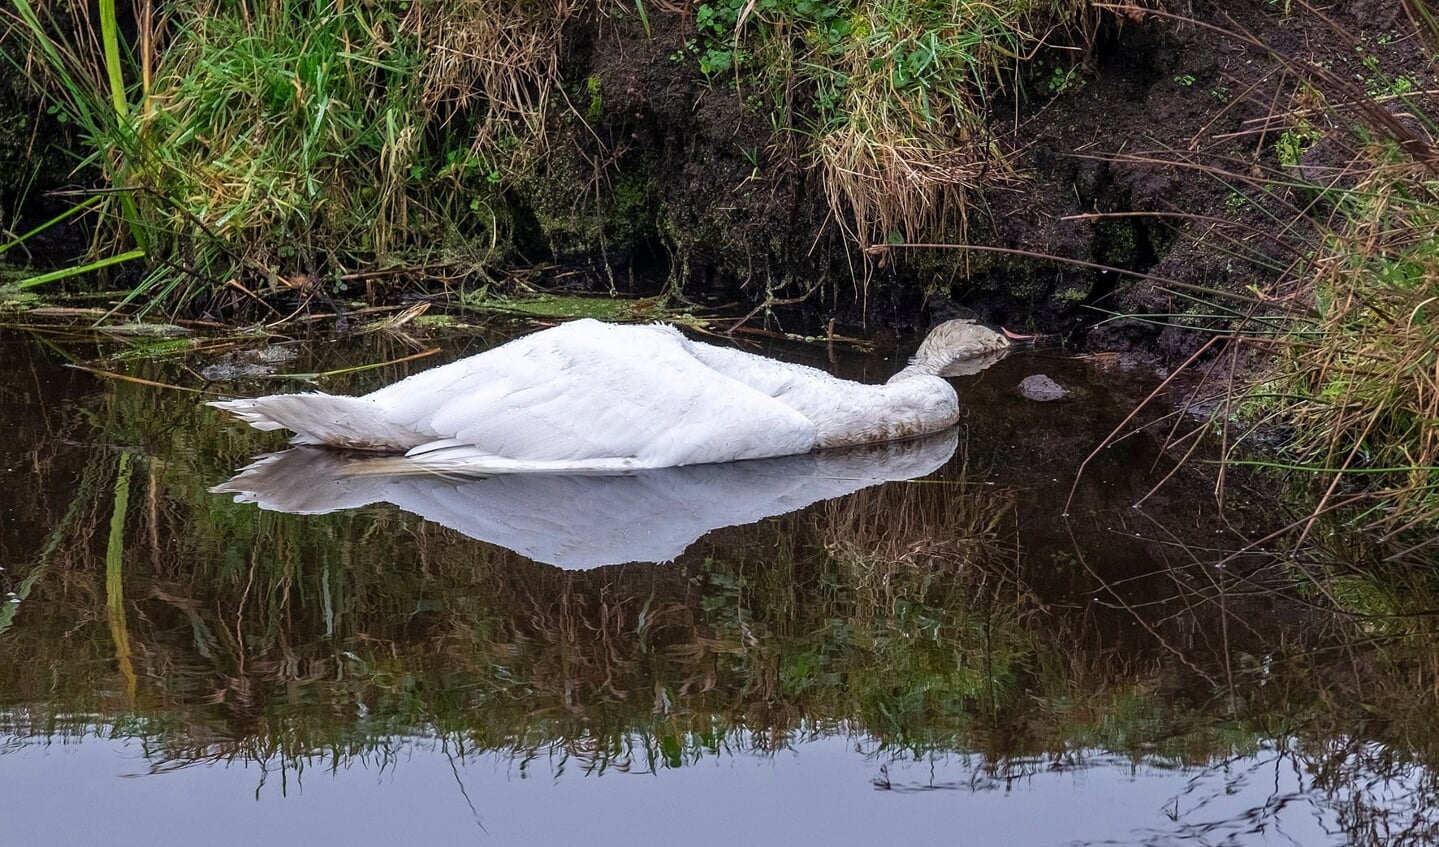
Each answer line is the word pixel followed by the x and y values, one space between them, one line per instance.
pixel 963 653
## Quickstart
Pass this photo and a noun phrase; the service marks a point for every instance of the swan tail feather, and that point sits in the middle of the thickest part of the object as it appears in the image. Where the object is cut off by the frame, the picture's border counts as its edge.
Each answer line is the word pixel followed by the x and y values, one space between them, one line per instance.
pixel 353 423
pixel 451 455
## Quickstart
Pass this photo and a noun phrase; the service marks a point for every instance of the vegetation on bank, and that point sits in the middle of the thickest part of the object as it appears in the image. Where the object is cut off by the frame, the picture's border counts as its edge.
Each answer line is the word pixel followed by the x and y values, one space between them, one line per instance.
pixel 898 120
pixel 1340 357
pixel 1355 378
pixel 290 145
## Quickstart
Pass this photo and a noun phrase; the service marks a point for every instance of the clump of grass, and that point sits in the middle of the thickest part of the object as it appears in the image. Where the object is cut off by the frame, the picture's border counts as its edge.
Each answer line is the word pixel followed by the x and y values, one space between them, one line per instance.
pixel 900 130
pixel 898 90
pixel 272 144
pixel 1348 336
pixel 497 62
pixel 1340 353
pixel 1358 375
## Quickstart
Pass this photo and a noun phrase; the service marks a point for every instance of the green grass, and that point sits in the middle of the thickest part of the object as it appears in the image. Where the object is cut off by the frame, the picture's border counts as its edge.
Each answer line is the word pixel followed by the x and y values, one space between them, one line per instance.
pixel 1357 378
pixel 277 143
pixel 1335 363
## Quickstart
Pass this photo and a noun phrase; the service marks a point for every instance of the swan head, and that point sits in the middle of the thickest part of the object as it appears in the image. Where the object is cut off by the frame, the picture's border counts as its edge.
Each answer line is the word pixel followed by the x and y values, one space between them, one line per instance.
pixel 962 347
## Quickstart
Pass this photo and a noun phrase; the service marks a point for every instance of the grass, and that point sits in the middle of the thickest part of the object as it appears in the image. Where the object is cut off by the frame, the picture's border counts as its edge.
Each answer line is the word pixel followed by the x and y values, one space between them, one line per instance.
pixel 1350 362
pixel 1357 378
pixel 1335 365
pixel 264 149
pixel 276 143
pixel 898 97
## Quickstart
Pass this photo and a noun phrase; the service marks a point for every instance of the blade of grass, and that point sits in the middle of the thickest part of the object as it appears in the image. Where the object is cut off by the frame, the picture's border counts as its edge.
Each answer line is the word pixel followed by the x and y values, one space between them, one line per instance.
pixel 76 270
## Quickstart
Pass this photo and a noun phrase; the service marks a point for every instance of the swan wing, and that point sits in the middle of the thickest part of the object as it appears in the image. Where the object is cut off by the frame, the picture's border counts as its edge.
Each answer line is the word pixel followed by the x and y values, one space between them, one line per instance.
pixel 587 392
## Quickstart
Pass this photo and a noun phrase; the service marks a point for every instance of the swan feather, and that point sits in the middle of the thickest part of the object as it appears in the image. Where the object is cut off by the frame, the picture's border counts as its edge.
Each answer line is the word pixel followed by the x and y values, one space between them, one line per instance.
pixel 590 396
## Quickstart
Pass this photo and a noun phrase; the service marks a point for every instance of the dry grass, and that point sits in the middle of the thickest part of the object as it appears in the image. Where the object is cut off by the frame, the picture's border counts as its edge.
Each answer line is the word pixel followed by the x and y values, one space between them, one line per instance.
pixel 1358 376
pixel 902 133
pixel 1340 356
pixel 499 57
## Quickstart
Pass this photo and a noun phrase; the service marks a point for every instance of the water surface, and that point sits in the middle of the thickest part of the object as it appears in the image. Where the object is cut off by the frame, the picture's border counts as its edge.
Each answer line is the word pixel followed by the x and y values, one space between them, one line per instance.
pixel 925 644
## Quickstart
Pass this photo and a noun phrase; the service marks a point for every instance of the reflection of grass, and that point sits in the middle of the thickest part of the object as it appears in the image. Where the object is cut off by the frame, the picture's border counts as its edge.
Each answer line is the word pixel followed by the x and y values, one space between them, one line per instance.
pixel 254 624
pixel 899 613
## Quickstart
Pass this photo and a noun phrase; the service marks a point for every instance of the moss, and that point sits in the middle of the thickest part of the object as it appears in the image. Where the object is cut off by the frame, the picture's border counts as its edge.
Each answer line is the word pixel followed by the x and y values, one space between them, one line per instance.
pixel 593 85
pixel 1116 242
pixel 13 299
pixel 567 306
pixel 578 212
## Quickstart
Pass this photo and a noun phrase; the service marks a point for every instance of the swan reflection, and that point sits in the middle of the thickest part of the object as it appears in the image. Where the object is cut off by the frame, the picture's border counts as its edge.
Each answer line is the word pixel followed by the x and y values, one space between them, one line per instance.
pixel 576 520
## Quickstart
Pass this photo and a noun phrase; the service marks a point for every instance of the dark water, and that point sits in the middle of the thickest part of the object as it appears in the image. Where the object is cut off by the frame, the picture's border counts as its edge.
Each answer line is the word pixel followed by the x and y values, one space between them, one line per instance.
pixel 965 657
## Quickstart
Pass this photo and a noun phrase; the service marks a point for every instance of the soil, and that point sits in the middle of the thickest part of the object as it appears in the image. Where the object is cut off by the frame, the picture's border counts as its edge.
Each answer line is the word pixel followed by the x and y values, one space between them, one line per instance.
pixel 1156 103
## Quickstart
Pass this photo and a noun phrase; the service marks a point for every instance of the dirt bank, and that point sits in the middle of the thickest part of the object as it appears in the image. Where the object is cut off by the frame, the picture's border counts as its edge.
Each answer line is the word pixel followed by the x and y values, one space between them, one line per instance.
pixel 1131 122
pixel 656 174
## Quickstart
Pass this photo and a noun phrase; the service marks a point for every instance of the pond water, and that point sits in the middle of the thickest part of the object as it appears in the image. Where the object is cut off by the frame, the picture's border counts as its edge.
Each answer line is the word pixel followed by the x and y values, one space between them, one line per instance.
pixel 946 641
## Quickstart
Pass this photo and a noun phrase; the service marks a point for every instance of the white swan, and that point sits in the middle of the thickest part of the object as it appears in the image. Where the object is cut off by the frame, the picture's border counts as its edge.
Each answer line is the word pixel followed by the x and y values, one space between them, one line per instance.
pixel 594 397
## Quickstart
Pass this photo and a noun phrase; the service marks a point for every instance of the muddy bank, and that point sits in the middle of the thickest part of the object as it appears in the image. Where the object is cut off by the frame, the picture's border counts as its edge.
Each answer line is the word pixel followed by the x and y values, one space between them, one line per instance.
pixel 1128 116
pixel 656 176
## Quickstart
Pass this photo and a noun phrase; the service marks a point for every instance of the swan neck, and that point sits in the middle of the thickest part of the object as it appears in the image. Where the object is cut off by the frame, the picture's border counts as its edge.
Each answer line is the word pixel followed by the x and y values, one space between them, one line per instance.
pixel 918 368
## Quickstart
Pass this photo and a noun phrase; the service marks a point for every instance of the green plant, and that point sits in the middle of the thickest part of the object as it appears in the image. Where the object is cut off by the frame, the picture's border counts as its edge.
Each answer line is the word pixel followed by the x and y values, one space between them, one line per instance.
pixel 1360 378
pixel 268 145
pixel 593 84
pixel 1294 142
pixel 89 92
pixel 716 23
pixel 1065 79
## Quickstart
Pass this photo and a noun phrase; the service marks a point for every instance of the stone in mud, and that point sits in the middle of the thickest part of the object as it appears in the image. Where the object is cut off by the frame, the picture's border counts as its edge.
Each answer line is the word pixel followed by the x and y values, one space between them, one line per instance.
pixel 1041 388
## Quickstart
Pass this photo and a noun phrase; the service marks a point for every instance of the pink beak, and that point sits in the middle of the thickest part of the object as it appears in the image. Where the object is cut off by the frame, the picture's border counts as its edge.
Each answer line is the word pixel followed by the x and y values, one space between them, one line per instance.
pixel 1014 336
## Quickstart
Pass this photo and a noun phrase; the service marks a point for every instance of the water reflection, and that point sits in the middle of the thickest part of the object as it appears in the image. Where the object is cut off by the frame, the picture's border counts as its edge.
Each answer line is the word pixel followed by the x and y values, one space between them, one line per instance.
pixel 583 521
pixel 952 638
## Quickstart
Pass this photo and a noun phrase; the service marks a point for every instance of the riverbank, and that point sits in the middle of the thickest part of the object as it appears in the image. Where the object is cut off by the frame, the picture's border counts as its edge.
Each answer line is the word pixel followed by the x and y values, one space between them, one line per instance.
pixel 683 150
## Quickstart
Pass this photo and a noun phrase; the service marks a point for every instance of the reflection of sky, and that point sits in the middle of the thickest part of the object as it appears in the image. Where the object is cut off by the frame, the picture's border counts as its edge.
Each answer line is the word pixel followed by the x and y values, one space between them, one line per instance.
pixel 101 791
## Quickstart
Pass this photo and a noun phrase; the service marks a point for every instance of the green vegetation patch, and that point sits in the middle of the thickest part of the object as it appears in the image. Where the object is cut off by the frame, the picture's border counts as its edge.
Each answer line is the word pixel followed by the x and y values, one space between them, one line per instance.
pixel 578 306
pixel 265 141
pixel 253 149
pixel 15 299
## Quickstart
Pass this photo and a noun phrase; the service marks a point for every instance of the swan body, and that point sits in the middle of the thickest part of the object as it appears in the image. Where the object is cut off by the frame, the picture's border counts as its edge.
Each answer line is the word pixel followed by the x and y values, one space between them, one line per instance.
pixel 593 397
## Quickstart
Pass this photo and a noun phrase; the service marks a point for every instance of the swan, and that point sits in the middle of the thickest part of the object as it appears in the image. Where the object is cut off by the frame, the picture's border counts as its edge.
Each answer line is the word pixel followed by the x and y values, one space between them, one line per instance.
pixel 588 396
